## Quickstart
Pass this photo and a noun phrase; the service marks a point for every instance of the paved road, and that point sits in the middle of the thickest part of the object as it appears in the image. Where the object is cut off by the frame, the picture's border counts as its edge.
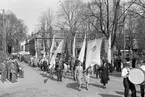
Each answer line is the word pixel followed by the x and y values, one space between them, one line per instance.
pixel 35 84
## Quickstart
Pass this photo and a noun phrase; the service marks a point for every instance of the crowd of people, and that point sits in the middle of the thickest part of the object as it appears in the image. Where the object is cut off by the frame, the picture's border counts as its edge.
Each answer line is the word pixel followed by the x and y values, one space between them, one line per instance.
pixel 75 67
pixel 11 70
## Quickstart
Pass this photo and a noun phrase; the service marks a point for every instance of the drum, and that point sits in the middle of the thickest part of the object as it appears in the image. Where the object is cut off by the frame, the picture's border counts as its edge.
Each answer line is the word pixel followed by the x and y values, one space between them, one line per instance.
pixel 137 76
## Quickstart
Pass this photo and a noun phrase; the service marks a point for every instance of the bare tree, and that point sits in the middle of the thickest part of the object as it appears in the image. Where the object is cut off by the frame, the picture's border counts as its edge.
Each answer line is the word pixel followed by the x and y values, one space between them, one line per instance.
pixel 46 21
pixel 16 30
pixel 70 17
pixel 109 16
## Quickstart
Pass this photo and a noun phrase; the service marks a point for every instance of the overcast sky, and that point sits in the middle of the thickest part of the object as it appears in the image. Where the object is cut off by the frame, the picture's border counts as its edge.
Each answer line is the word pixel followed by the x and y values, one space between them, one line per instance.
pixel 29 10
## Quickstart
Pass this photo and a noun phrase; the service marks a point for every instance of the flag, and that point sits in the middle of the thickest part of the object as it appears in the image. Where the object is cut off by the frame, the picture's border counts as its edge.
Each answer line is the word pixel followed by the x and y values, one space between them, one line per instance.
pixel 82 52
pixel 58 50
pixel 74 42
pixel 52 46
pixel 109 50
pixel 93 52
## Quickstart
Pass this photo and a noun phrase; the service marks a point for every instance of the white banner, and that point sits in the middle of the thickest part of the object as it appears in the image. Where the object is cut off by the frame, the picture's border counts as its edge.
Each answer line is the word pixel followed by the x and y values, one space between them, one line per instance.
pixel 52 46
pixel 58 50
pixel 74 43
pixel 109 50
pixel 82 52
pixel 93 52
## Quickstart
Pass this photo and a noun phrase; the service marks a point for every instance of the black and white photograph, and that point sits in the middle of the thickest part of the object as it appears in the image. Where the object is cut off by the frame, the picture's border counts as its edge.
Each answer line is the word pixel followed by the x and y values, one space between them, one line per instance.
pixel 72 48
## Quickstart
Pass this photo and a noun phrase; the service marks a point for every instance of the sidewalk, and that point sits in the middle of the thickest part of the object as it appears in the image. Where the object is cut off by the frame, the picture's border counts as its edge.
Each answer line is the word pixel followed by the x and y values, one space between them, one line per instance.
pixel 30 77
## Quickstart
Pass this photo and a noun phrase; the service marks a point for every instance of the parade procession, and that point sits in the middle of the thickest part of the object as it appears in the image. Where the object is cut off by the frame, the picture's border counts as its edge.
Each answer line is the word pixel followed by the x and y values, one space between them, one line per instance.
pixel 72 48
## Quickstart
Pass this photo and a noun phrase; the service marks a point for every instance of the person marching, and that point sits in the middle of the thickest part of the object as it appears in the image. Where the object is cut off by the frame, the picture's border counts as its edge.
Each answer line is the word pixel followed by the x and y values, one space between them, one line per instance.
pixel 60 69
pixel 142 86
pixel 45 63
pixel 96 67
pixel 104 73
pixel 79 75
pixel 127 84
pixel 87 74
pixel 73 61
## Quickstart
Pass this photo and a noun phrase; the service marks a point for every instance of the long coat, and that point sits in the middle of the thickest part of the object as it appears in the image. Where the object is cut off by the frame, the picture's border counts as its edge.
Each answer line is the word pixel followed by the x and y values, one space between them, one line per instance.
pixel 87 74
pixel 104 73
pixel 79 74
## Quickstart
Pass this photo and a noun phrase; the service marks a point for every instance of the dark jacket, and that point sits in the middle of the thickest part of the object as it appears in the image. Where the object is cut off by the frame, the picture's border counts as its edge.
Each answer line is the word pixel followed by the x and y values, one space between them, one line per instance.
pixel 104 73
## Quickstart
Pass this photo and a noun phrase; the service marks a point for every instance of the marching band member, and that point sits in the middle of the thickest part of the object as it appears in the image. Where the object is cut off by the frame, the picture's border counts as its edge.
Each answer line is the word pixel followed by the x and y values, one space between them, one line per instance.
pixel 127 84
pixel 142 86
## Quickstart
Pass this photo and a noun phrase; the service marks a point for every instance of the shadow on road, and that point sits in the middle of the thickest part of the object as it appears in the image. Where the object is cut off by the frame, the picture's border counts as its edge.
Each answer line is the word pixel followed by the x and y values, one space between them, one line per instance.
pixel 47 77
pixel 120 93
pixel 109 95
pixel 72 86
pixel 75 86
pixel 45 80
pixel 96 85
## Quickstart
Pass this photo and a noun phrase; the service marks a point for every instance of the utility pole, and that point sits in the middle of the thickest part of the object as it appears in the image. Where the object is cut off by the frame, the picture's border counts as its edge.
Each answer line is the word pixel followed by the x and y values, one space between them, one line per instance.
pixel 4 34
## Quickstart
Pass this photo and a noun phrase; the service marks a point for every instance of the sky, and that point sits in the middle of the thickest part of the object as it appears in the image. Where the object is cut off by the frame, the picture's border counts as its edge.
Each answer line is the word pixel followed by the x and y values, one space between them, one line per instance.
pixel 29 10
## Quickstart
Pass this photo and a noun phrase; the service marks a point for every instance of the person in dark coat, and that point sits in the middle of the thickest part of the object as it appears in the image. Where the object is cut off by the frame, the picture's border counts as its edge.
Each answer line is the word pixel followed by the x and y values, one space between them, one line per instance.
pixel 60 69
pixel 133 62
pixel 96 67
pixel 13 72
pixel 119 64
pixel 45 62
pixel 73 61
pixel 104 73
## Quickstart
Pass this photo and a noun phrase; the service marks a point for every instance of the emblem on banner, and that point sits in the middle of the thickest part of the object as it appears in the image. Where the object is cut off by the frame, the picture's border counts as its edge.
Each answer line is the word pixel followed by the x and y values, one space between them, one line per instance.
pixel 94 48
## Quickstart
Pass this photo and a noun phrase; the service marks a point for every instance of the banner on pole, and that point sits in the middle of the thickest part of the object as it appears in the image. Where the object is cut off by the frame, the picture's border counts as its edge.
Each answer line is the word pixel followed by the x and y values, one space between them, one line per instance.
pixel 109 50
pixel 58 50
pixel 74 43
pixel 52 46
pixel 82 52
pixel 93 52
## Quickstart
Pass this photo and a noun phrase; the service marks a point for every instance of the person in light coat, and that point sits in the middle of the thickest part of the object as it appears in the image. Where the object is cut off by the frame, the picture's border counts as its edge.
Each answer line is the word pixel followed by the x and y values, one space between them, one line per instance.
pixel 87 74
pixel 126 82
pixel 79 75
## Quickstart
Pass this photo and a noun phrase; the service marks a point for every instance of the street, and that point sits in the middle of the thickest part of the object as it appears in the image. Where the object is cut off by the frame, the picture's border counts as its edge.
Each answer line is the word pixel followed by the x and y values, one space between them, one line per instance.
pixel 35 84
